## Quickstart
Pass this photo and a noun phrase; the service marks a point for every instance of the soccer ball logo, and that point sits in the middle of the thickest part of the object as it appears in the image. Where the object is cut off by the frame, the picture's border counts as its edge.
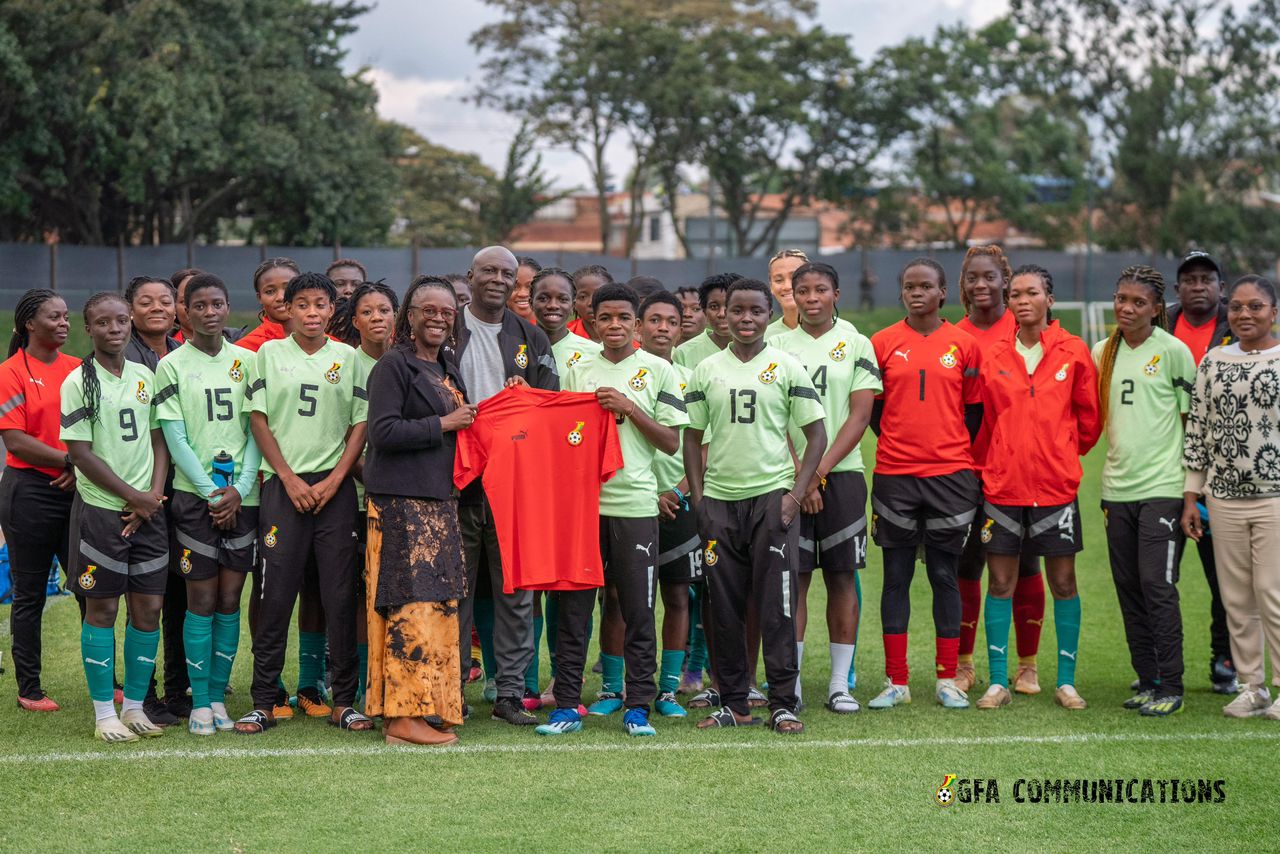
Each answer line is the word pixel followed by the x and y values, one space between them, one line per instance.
pixel 709 556
pixel 948 359
pixel 87 581
pixel 271 539
pixel 985 536
pixel 575 435
pixel 184 563
pixel 332 374
pixel 522 357
pixel 1061 375
pixel 141 394
pixel 769 374
pixel 639 381
pixel 236 373
pixel 1153 367
pixel 944 797
pixel 837 353
pixel 875 519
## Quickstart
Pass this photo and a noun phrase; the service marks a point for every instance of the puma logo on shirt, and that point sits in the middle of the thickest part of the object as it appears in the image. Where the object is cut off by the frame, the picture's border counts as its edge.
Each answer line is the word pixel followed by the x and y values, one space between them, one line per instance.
pixel 903 354
pixel 782 552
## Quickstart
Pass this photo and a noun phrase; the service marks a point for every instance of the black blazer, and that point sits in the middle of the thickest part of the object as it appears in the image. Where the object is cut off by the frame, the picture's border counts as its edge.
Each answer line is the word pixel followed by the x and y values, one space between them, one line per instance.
pixel 539 363
pixel 408 454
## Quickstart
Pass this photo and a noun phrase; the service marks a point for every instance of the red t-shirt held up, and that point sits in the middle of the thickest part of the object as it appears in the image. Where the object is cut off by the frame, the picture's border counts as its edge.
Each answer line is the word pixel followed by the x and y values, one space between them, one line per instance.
pixel 548 528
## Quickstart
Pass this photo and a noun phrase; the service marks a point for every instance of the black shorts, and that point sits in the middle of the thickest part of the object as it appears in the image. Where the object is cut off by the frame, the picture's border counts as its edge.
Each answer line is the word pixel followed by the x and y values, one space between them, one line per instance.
pixel 836 538
pixel 105 564
pixel 908 511
pixel 679 548
pixel 200 548
pixel 1042 531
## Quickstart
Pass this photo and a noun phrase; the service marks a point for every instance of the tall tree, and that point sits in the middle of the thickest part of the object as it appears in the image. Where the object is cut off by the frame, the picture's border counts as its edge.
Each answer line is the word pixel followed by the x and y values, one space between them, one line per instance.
pixel 521 192
pixel 441 193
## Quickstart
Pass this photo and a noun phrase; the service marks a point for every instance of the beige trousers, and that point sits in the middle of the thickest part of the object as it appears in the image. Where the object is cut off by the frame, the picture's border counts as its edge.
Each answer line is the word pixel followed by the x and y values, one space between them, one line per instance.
pixel 1246 546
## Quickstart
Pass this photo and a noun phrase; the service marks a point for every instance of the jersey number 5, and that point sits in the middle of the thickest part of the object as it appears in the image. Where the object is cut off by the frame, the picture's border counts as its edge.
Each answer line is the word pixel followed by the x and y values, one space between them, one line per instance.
pixel 747 398
pixel 307 396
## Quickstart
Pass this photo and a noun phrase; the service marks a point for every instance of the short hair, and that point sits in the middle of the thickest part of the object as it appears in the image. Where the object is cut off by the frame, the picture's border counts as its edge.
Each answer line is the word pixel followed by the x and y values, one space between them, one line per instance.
pixel 663 297
pixel 451 277
pixel 818 268
pixel 1262 283
pixel 176 277
pixel 311 282
pixel 201 281
pixel 686 289
pixel 717 282
pixel 526 261
pixel 547 273
pixel 741 284
pixel 645 286
pixel 923 262
pixel 592 270
pixel 614 292
pixel 347 262
pixel 136 283
pixel 271 264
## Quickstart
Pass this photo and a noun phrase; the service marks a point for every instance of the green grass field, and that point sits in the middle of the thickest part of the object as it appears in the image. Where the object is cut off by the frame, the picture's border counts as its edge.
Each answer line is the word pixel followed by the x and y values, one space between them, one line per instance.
pixel 865 781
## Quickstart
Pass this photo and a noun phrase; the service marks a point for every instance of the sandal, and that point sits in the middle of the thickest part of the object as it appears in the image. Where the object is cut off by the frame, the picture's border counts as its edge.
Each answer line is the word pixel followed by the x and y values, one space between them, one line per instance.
pixel 255 722
pixel 349 719
pixel 708 699
pixel 723 718
pixel 784 722
pixel 756 699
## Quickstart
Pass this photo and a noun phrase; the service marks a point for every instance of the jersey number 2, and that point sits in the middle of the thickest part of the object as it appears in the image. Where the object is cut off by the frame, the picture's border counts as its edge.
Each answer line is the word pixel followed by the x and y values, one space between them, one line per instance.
pixel 1126 392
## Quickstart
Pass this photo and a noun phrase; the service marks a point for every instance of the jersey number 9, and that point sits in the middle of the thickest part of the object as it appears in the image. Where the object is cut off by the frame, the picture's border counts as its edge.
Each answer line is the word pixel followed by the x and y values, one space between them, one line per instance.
pixel 128 425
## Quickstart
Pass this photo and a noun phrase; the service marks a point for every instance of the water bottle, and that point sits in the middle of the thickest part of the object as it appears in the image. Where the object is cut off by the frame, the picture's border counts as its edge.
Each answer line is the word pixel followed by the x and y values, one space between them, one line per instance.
pixel 224 469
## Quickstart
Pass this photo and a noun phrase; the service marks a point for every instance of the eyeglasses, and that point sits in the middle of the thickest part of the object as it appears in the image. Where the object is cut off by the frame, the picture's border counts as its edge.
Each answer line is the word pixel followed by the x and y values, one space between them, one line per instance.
pixel 1252 308
pixel 430 312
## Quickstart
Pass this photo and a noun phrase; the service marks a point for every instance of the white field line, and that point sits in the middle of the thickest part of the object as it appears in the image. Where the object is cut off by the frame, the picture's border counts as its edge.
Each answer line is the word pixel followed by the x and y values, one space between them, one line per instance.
pixel 127 754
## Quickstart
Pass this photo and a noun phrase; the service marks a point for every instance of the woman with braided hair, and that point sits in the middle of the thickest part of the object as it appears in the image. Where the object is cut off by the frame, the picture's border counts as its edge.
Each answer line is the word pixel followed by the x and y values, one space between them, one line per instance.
pixel 38 482
pixel 1145 376
pixel 984 283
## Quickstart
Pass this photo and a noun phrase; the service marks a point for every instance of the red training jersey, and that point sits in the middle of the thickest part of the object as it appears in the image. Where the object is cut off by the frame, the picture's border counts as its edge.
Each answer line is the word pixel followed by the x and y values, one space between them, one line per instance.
pixel 1038 426
pixel 548 528
pixel 268 330
pixel 1197 338
pixel 1003 329
pixel 928 380
pixel 31 401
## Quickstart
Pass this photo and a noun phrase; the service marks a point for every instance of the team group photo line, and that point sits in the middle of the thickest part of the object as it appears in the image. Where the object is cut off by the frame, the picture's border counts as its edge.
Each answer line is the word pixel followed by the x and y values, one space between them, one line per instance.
pixel 436 480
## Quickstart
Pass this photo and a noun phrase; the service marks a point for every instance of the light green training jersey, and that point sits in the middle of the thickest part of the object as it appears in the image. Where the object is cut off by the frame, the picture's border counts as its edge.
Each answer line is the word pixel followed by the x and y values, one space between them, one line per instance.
pixel 368 362
pixel 747 409
pixel 209 395
pixel 310 401
pixel 120 432
pixel 691 353
pixel 632 493
pixel 669 468
pixel 840 362
pixel 1150 392
pixel 777 329
pixel 572 350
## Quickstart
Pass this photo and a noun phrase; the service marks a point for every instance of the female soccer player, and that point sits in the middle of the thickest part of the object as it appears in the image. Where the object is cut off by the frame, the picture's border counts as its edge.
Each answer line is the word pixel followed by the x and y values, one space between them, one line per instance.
pixel 924 491
pixel 39 482
pixel 1040 416
pixel 269 282
pixel 782 267
pixel 984 282
pixel 711 294
pixel 347 275
pixel 692 320
pixel 108 423
pixel 214 511
pixel 1231 458
pixel 833 526
pixel 1145 376
pixel 585 281
pixel 747 396
pixel 553 299
pixel 179 279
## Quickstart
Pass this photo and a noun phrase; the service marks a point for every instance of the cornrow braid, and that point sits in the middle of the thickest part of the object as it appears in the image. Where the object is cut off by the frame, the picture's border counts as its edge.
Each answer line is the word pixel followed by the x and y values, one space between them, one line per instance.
pixel 548 272
pixel 1142 275
pixel 88 367
pixel 995 253
pixel 404 331
pixel 343 325
pixel 25 312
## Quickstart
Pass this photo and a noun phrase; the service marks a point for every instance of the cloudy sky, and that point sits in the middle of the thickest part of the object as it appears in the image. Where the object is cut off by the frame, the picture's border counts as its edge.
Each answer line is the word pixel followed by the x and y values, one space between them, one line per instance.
pixel 423 67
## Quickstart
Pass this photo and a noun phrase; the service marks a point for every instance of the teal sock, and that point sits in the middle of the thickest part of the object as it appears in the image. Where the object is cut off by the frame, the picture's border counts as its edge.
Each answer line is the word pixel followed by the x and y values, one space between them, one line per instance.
pixel 531 672
pixel 362 655
pixel 310 659
pixel 672 661
pixel 226 640
pixel 139 661
pixel 197 642
pixel 857 589
pixel 697 637
pixel 551 615
pixel 997 617
pixel 98 653
pixel 1066 621
pixel 484 628
pixel 612 675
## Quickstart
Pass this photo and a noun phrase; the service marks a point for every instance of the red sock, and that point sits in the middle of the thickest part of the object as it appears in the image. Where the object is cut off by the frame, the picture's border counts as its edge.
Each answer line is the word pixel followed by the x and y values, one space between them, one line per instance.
pixel 946 650
pixel 895 658
pixel 1028 613
pixel 970 610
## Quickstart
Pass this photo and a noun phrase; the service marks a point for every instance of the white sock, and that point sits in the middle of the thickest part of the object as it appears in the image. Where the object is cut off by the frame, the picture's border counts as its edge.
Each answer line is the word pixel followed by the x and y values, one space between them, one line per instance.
pixel 799 660
pixel 128 705
pixel 841 658
pixel 103 709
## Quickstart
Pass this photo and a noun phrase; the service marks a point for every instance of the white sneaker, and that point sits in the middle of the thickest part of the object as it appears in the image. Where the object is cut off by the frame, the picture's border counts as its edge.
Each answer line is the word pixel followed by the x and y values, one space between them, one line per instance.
pixel 221 720
pixel 950 695
pixel 1273 711
pixel 1251 701
pixel 136 720
pixel 892 695
pixel 201 722
pixel 112 731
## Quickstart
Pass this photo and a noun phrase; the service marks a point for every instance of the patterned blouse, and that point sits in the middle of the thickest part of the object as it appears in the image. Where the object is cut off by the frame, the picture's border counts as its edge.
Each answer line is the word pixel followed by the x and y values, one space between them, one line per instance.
pixel 1232 444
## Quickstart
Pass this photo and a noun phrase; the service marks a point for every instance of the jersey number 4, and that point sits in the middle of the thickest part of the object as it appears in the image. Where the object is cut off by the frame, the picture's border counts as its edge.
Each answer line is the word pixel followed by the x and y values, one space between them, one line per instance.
pixel 742 406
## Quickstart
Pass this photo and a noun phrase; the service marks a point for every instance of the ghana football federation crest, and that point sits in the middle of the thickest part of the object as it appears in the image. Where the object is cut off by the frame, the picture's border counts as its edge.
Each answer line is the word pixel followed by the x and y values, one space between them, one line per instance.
pixel 87 581
pixel 948 359
pixel 1153 367
pixel 769 374
pixel 709 556
pixel 944 797
pixel 1061 375
pixel 575 435
pixel 573 360
pixel 236 373
pixel 985 536
pixel 522 356
pixel 640 380
pixel 838 352
pixel 184 563
pixel 332 375
pixel 271 538
pixel 142 394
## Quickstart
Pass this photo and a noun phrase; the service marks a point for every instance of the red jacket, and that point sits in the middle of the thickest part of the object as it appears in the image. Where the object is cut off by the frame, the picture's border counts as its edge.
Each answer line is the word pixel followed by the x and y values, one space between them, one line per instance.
pixel 1037 427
